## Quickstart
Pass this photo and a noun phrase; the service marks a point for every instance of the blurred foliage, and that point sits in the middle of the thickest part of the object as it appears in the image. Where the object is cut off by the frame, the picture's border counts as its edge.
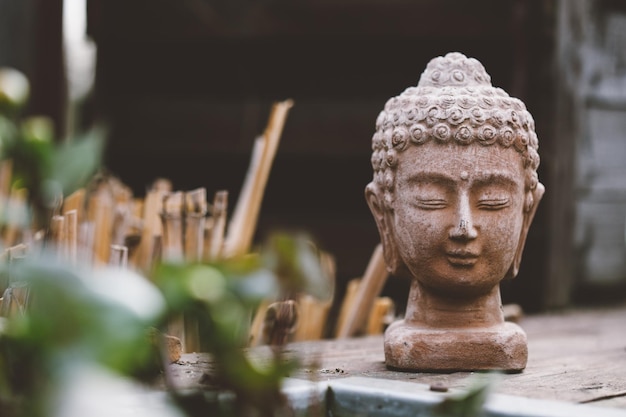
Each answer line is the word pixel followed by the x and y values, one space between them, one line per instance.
pixel 14 91
pixel 67 323
pixel 87 333
pixel 42 164
pixel 78 317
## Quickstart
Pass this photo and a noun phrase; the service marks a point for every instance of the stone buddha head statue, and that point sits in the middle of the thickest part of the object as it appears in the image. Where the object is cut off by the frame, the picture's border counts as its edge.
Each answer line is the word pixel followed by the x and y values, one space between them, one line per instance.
pixel 454 192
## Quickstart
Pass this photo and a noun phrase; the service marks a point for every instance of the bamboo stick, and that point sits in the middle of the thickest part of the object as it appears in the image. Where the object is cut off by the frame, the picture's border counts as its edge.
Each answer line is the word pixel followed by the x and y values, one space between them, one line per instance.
pixel 123 213
pixel 220 205
pixel 151 228
pixel 137 207
pixel 57 236
pixel 383 308
pixel 85 253
pixel 243 223
pixel 75 201
pixel 172 251
pixel 370 286
pixel 256 328
pixel 172 218
pixel 348 299
pixel 100 213
pixel 313 317
pixel 208 236
pixel 195 217
pixel 71 236
pixel 15 298
pixel 162 185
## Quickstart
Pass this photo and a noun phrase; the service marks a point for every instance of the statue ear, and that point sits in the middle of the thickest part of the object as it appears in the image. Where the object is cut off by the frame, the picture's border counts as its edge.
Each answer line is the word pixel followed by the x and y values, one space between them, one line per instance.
pixel 528 219
pixel 384 222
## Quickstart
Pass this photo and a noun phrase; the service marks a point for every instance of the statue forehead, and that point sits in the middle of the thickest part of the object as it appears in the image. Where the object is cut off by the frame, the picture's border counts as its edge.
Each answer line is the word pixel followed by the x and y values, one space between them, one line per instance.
pixel 460 162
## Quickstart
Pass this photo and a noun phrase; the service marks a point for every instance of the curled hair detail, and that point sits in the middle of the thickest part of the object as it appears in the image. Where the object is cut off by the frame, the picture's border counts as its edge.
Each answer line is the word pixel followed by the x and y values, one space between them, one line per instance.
pixel 463 135
pixel 376 141
pixel 391 104
pixel 454 101
pixel 498 118
pixel 380 120
pixel 391 159
pixel 397 118
pixel 500 92
pixel 412 114
pixel 446 102
pixel 477 116
pixel 466 102
pixel 422 101
pixel 376 160
pixel 400 138
pixel 386 139
pixel 432 116
pixel 456 116
pixel 487 135
pixel 521 142
pixel 458 76
pixel 441 132
pixel 387 122
pixel 506 136
pixel 419 134
pixel 505 102
pixel 486 102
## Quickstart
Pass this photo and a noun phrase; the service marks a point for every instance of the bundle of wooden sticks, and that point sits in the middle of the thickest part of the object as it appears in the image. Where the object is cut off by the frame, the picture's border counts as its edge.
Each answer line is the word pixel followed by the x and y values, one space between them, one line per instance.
pixel 104 223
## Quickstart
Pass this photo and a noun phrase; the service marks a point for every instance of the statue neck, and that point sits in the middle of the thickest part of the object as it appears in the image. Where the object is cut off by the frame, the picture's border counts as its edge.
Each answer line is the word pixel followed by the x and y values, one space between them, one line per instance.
pixel 428 309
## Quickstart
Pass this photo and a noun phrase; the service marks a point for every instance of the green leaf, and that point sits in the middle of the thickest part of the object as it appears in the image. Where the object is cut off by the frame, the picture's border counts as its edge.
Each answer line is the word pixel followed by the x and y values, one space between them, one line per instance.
pixel 75 162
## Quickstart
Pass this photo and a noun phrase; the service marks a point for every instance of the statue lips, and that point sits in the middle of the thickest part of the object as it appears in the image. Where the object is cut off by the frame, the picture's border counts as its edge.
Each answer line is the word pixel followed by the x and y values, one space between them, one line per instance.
pixel 461 257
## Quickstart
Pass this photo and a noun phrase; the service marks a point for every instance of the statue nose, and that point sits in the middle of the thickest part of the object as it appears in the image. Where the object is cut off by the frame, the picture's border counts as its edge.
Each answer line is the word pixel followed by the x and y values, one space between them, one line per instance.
pixel 463 226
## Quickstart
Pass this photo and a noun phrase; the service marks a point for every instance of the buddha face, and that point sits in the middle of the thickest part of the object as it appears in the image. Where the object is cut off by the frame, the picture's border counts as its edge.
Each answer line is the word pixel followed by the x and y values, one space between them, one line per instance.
pixel 458 217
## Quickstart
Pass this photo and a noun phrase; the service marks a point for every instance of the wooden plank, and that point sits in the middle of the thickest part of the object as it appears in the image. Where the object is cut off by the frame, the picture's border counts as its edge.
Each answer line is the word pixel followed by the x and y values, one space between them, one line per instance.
pixel 575 356
pixel 244 221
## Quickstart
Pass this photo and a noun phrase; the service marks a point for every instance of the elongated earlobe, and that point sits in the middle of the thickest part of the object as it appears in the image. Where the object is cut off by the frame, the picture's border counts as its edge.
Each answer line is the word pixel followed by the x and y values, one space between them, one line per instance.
pixel 529 214
pixel 383 217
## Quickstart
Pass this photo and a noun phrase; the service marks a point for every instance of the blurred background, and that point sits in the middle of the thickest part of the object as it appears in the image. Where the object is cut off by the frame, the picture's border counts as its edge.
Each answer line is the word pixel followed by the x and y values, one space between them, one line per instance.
pixel 185 86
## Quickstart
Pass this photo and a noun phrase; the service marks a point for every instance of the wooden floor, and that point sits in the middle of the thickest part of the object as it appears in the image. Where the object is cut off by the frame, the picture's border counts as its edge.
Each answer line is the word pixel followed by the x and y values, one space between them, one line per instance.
pixel 576 356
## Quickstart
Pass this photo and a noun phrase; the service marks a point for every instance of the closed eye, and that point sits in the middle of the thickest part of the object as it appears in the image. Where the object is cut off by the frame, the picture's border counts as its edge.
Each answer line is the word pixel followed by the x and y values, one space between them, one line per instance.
pixel 432 204
pixel 494 203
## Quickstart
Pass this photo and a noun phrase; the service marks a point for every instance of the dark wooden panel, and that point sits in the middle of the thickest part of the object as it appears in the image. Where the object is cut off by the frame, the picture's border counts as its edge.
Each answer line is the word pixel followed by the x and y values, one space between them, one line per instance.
pixel 187 85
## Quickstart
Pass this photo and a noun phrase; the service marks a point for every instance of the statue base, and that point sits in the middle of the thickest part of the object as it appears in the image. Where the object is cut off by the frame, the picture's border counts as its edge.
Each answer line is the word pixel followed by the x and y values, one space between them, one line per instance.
pixel 412 348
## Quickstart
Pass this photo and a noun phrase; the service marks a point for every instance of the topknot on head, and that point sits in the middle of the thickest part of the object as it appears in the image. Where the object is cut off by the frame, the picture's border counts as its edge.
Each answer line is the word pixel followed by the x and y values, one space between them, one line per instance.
pixel 454 70
pixel 454 102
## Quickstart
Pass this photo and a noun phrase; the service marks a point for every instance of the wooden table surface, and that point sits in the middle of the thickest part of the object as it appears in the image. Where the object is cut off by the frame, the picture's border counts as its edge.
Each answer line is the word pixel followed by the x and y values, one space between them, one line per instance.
pixel 577 356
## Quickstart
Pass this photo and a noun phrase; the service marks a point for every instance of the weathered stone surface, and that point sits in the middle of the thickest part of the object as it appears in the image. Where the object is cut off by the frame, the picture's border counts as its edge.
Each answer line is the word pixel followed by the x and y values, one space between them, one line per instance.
pixel 454 192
